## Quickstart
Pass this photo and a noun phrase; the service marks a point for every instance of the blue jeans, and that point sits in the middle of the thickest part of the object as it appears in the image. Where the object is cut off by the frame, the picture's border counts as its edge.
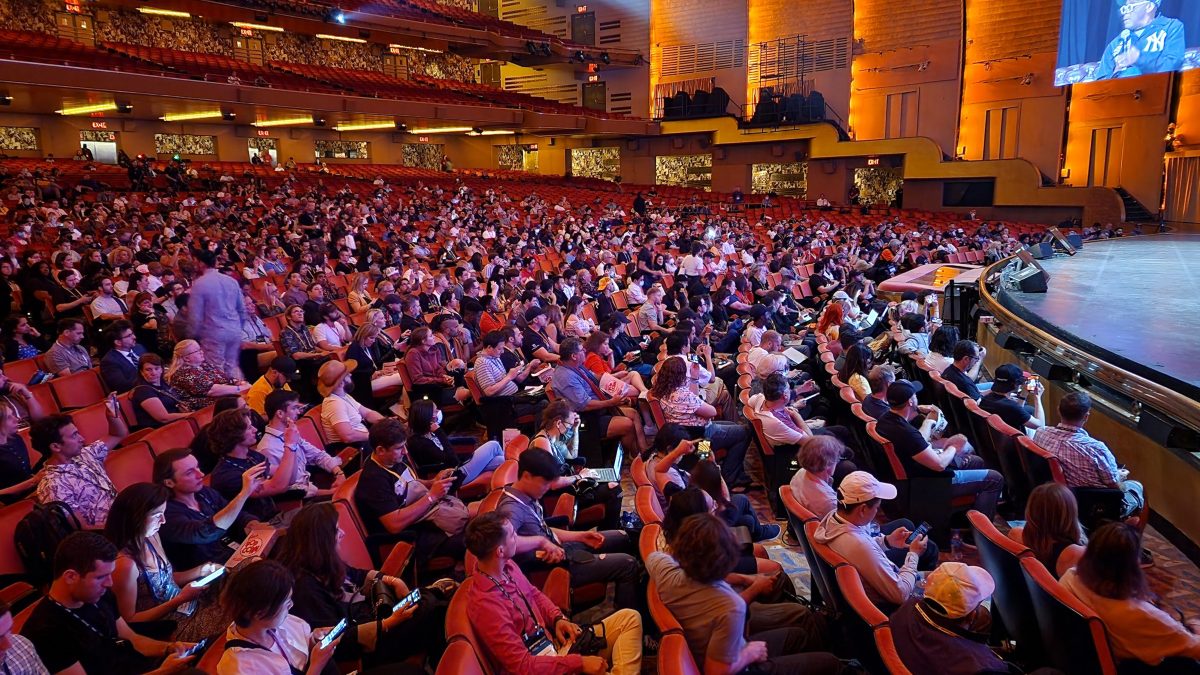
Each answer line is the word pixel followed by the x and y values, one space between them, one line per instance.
pixel 984 484
pixel 928 559
pixel 735 438
pixel 487 457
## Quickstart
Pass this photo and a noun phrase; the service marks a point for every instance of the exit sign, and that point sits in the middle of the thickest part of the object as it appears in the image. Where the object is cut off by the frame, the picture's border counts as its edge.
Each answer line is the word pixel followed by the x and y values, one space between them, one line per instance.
pixel 872 161
pixel 582 9
pixel 265 133
pixel 99 125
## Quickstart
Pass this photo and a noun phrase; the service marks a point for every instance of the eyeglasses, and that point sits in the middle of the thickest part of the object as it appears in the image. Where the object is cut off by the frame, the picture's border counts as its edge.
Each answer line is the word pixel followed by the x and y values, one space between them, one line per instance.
pixel 1133 7
pixel 191 353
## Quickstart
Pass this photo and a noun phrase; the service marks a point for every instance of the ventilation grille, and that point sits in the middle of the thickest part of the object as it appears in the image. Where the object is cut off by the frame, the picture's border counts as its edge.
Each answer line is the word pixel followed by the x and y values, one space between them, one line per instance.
pixel 704 57
pixel 620 102
pixel 610 32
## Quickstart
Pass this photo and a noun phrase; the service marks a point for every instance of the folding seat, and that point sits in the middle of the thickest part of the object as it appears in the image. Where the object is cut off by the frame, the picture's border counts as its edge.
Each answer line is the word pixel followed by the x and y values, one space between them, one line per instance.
pixel 1073 636
pixel 78 390
pixel 1012 607
pixel 130 464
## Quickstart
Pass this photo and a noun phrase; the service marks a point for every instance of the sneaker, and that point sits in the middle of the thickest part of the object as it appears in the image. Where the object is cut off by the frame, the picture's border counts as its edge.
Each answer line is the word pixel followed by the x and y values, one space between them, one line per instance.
pixel 770 531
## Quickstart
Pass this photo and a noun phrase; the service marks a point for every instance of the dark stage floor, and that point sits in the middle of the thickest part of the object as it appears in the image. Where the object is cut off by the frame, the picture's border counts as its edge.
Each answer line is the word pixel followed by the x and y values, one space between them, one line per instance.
pixel 1134 302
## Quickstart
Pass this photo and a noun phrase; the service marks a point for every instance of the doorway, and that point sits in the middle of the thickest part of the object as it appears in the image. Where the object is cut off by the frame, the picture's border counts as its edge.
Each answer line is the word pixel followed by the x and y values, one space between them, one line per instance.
pixel 583 28
pixel 104 152
pixel 595 96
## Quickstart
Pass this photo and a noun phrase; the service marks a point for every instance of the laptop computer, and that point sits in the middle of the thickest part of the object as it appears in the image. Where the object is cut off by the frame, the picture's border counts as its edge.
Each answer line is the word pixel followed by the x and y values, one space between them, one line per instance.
pixel 611 474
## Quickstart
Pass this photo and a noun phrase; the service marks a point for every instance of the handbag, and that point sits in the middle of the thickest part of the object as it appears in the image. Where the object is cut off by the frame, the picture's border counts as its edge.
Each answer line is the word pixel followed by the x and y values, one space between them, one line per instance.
pixel 587 643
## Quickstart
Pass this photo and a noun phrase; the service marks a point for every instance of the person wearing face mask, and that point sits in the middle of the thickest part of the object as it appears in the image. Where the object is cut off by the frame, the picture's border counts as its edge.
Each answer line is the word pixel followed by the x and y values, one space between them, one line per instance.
pixel 430 450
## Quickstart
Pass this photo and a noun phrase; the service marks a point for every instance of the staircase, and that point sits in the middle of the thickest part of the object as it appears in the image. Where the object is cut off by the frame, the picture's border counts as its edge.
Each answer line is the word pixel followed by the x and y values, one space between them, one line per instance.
pixel 1134 211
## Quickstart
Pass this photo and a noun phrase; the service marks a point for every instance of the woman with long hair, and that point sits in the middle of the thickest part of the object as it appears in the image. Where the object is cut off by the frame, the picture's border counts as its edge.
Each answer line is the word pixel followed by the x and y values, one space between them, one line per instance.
pixel 577 324
pixel 198 380
pixel 857 364
pixel 146 319
pixel 693 500
pixel 21 339
pixel 555 328
pixel 831 321
pixel 1109 579
pixel 17 478
pixel 735 510
pixel 600 361
pixel 146 586
pixel 373 373
pixel 941 348
pixel 431 451
pixel 326 590
pixel 360 298
pixel 558 434
pixel 1052 529
pixel 154 401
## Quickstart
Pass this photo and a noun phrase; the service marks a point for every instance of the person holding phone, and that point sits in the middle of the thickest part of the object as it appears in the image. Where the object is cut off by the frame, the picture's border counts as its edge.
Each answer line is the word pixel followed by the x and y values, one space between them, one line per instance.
pixel 1009 398
pixel 310 554
pixel 264 637
pixel 146 586
pixel 848 531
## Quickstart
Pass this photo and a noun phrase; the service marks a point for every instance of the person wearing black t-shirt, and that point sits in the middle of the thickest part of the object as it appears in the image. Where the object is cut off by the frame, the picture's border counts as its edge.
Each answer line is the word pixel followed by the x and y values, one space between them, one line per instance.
pixel 962 373
pixel 923 458
pixel 77 629
pixel 1007 399
pixel 231 436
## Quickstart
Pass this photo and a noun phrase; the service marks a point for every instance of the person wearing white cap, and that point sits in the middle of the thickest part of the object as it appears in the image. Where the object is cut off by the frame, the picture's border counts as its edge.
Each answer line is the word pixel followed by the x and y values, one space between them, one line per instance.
pixel 845 531
pixel 946 633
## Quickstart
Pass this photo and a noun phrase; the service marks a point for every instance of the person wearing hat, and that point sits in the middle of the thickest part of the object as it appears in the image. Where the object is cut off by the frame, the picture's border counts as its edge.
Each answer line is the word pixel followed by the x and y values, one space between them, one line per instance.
pixel 280 437
pixel 392 305
pixel 923 457
pixel 537 344
pixel 947 632
pixel 845 530
pixel 1009 398
pixel 1148 43
pixel 344 419
pixel 279 376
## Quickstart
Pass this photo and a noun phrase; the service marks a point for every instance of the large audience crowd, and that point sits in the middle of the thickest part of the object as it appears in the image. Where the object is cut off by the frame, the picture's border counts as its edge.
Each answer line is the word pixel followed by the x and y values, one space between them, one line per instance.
pixel 440 375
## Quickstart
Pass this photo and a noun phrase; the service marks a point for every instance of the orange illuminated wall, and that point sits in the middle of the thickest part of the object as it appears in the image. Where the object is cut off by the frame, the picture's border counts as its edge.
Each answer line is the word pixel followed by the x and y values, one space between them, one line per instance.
pixel 906 78
pixel 1011 107
pixel 820 21
pixel 699 39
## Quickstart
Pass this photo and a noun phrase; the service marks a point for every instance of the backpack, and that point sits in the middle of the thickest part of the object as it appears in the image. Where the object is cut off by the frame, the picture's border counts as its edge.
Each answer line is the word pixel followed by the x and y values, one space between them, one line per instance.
pixel 37 537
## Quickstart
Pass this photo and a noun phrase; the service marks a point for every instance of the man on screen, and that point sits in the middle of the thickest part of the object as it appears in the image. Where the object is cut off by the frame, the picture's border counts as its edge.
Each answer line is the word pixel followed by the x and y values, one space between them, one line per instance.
pixel 1149 43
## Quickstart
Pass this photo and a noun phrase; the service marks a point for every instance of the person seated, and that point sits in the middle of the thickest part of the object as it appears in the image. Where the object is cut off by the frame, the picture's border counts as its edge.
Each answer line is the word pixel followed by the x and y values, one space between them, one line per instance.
pixel 858 364
pixel 21 339
pixel 430 371
pixel 279 376
pixel 344 419
pixel 692 584
pixel 281 437
pixel 119 367
pixel 231 437
pixel 910 336
pixel 199 380
pixel 78 629
pixel 376 371
pixel 1141 626
pixel 1052 529
pixel 495 380
pixel 767 357
pixel 812 485
pixel 964 371
pixel 558 434
pixel 702 374
pixel 200 524
pixel 600 361
pixel 432 451
pixel 18 656
pixel 947 631
pixel 154 401
pixel 1008 397
pixel 782 423
pixel 264 637
pixel 146 586
pixel 848 531
pixel 393 501
pixel 504 628
pixel 537 343
pixel 74 473
pixel 1086 461
pixel 298 343
pixel 880 378
pixel 67 355
pixel 752 560
pixel 107 306
pixel 941 348
pixel 682 405
pixel 923 457
pixel 734 509
pixel 309 552
pixel 17 477
pixel 609 416
pixel 590 556
pixel 331 333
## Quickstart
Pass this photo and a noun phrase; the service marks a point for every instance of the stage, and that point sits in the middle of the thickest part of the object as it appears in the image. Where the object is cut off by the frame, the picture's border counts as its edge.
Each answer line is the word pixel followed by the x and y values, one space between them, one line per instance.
pixel 1134 302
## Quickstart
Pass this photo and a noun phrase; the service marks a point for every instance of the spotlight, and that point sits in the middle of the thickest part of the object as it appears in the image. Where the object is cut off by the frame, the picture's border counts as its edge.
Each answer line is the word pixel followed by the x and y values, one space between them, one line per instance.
pixel 401 126
pixel 336 16
pixel 124 108
pixel 605 58
pixel 228 115
pixel 318 120
pixel 580 56
pixel 5 99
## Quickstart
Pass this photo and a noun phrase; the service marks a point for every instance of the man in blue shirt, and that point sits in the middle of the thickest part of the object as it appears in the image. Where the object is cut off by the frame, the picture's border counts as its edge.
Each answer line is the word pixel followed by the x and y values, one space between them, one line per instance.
pixel 1149 43
pixel 611 417
pixel 215 315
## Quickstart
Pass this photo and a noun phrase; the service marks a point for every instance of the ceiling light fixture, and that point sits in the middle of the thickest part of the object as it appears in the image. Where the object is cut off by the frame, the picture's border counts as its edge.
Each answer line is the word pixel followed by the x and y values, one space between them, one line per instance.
pixel 440 130
pixel 415 49
pixel 164 12
pixel 283 122
pixel 187 117
pixel 256 26
pixel 110 106
pixel 365 126
pixel 492 132
pixel 327 36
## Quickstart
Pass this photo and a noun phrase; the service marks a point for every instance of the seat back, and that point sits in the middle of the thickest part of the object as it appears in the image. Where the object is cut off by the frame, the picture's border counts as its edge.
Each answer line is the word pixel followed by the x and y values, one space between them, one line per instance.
pixel 1011 604
pixel 1004 443
pixel 351 546
pixel 505 475
pixel 130 464
pixel 886 646
pixel 1039 465
pixel 649 509
pixel 824 560
pixel 674 657
pixel 1073 636
pixel 78 390
pixel 981 435
pixel 177 434
pixel 91 421
pixel 637 471
pixel 666 622
pixel 863 618
pixel 212 656
pixel 954 405
pixel 460 658
pixel 10 561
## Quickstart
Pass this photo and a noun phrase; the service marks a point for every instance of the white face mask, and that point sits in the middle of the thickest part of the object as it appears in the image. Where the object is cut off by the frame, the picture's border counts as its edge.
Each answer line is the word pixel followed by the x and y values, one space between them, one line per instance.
pixel 437 418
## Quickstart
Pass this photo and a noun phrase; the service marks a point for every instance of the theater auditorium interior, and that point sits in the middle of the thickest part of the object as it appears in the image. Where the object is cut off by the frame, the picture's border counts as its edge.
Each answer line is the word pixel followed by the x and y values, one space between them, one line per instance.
pixel 466 337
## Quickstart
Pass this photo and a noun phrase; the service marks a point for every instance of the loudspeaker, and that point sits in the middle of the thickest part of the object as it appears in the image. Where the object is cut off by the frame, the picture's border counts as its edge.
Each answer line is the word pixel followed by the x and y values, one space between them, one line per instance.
pixel 125 108
pixel 1031 280
pixel 1041 251
pixel 1052 371
pixel 1166 433
pixel 1075 240
pixel 1006 340
pixel 318 120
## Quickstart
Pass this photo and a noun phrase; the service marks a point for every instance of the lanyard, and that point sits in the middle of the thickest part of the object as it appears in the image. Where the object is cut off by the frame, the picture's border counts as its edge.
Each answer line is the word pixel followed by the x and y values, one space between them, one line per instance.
pixel 528 607
pixel 80 619
pixel 536 510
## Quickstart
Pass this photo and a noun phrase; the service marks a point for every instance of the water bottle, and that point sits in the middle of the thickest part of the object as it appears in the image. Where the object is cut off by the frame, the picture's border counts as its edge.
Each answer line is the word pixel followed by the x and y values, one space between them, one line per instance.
pixel 956 545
